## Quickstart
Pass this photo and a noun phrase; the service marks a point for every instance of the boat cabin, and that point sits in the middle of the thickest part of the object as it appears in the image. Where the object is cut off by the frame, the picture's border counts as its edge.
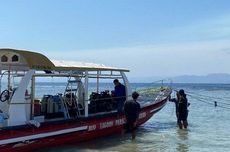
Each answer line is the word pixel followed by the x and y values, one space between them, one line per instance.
pixel 35 89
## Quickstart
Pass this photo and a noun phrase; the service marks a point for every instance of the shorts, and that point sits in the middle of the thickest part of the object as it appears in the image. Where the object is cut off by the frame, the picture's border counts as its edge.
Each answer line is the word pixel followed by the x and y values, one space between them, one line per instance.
pixel 130 126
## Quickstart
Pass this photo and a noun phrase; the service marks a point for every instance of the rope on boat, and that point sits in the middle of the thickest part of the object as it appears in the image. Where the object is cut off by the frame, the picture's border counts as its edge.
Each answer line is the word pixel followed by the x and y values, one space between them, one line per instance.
pixel 210 97
pixel 213 99
pixel 208 100
pixel 164 82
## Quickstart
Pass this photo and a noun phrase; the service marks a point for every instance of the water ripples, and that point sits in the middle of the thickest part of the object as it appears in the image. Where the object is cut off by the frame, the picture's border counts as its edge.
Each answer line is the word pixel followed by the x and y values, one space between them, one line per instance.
pixel 208 128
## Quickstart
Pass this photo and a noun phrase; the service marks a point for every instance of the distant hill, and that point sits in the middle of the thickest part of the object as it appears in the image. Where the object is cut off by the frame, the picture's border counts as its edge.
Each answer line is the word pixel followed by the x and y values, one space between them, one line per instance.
pixel 210 78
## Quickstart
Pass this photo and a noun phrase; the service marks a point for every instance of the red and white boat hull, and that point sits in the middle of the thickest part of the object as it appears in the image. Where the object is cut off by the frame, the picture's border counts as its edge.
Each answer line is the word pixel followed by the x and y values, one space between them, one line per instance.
pixel 27 138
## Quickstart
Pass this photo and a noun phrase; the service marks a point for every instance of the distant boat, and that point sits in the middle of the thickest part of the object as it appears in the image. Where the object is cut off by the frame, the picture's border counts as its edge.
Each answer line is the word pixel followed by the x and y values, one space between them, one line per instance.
pixel 27 122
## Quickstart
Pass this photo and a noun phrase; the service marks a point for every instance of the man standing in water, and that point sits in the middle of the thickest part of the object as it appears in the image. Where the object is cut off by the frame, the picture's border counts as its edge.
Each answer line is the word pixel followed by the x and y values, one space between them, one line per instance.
pixel 120 95
pixel 176 101
pixel 182 109
pixel 132 110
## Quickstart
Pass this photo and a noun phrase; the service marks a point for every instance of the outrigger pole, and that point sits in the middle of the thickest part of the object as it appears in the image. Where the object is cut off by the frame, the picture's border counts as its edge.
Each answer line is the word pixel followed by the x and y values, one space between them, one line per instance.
pixel 86 93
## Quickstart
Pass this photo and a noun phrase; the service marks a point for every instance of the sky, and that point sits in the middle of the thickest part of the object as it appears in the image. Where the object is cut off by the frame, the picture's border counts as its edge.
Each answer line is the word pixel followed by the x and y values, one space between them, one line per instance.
pixel 162 38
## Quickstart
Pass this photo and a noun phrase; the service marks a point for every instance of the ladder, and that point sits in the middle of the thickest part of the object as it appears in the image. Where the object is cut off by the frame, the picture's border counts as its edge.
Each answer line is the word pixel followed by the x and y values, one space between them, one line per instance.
pixel 70 96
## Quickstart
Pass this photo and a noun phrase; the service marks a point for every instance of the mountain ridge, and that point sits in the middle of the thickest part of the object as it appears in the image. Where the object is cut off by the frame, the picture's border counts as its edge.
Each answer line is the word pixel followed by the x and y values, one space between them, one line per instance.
pixel 209 78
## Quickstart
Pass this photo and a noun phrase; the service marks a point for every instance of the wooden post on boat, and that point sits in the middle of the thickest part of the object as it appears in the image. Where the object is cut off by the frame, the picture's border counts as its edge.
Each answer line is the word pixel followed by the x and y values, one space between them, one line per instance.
pixel 32 97
pixel 1 74
pixel 127 86
pixel 97 81
pixel 86 93
pixel 18 107
pixel 8 85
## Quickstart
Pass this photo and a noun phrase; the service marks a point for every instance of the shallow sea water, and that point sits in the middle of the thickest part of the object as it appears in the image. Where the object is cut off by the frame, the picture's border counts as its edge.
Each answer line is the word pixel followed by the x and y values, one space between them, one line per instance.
pixel 208 131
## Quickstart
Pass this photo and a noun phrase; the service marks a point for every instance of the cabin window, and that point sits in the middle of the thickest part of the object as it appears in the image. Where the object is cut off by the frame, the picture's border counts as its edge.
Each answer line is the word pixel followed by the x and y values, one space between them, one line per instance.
pixel 15 58
pixel 4 58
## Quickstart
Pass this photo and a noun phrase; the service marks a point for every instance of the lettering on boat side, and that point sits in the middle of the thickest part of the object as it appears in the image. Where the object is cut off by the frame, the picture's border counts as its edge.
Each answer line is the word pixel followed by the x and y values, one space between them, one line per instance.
pixel 106 124
pixel 119 122
pixel 142 115
pixel 92 127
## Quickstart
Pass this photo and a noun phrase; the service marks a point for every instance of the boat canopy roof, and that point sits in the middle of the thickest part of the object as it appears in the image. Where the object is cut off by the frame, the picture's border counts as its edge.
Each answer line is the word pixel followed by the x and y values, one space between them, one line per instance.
pixel 25 60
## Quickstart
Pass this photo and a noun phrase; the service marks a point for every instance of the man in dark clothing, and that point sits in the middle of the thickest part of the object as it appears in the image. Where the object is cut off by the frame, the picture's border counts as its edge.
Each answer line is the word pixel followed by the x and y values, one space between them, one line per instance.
pixel 120 95
pixel 176 101
pixel 182 109
pixel 132 110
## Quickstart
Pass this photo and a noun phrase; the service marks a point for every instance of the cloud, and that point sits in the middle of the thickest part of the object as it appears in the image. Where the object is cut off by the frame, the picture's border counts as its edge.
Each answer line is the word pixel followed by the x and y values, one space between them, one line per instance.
pixel 215 28
pixel 160 60
pixel 198 49
pixel 226 50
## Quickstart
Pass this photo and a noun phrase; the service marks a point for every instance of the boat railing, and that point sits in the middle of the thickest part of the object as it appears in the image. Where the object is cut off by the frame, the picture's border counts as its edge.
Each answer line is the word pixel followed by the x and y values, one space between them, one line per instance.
pixel 98 103
pixel 61 107
pixel 155 96
pixel 158 91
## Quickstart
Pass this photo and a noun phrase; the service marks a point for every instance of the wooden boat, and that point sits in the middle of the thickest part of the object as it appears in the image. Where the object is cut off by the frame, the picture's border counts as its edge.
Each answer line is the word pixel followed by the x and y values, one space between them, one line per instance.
pixel 29 122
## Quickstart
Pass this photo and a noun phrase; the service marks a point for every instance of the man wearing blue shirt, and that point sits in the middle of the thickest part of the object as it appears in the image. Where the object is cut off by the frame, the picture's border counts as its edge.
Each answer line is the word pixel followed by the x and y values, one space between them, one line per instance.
pixel 120 95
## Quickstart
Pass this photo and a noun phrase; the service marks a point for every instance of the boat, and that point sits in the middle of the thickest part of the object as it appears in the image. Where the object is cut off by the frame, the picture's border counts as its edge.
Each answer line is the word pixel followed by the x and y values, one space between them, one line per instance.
pixel 71 115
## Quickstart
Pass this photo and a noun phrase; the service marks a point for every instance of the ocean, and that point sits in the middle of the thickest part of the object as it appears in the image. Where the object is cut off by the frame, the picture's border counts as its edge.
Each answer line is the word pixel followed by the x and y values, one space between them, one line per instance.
pixel 208 130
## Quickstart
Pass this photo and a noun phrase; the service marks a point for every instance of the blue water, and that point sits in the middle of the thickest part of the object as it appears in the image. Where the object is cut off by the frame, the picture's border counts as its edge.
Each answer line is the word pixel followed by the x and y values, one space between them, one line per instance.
pixel 209 126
